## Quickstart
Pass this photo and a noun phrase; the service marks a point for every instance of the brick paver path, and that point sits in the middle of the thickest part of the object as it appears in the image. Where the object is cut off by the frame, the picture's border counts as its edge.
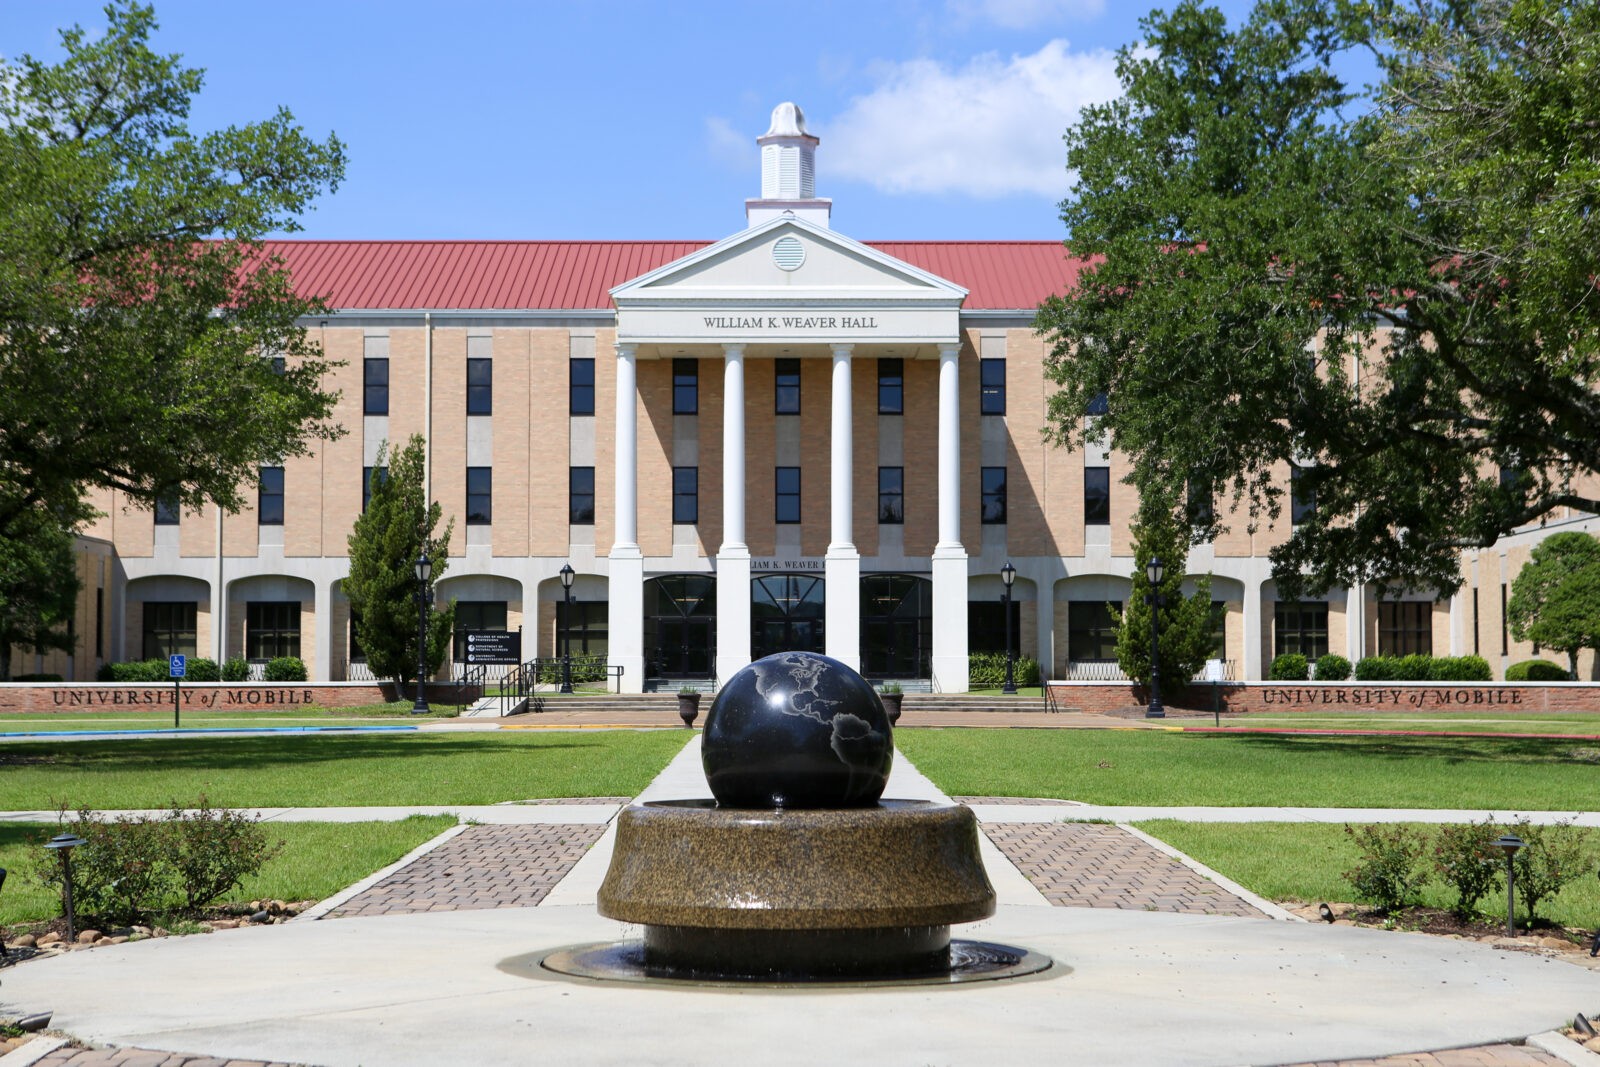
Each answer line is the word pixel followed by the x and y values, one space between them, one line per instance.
pixel 138 1057
pixel 481 867
pixel 1481 1056
pixel 1091 865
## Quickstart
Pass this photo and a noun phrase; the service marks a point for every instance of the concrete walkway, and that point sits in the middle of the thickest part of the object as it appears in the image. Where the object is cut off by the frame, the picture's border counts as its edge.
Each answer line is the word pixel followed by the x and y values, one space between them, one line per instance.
pixel 435 961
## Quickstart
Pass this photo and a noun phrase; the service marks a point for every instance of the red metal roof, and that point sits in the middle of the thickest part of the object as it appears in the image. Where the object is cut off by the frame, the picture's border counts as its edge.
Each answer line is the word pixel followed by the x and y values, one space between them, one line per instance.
pixel 578 275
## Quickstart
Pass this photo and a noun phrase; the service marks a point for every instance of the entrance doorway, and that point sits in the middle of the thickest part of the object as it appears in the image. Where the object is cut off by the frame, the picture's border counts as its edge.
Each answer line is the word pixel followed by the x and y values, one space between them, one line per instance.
pixel 786 614
pixel 680 626
pixel 896 626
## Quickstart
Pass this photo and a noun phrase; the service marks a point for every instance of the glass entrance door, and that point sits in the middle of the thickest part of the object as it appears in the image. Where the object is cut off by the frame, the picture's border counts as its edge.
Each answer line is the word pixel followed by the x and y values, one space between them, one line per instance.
pixel 680 626
pixel 896 626
pixel 786 614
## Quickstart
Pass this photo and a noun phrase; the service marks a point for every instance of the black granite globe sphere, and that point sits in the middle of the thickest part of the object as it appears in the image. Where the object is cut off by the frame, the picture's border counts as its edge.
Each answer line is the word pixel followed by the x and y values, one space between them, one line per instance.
pixel 797 730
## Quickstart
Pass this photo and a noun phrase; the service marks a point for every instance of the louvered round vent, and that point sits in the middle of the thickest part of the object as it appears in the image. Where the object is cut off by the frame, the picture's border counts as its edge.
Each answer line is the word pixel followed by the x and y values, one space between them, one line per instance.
pixel 788 253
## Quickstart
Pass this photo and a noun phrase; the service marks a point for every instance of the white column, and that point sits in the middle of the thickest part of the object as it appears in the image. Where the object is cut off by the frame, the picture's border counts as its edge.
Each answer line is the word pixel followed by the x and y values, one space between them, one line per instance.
pixel 322 606
pixel 625 610
pixel 1355 620
pixel 949 556
pixel 1252 632
pixel 842 565
pixel 733 557
pixel 1045 627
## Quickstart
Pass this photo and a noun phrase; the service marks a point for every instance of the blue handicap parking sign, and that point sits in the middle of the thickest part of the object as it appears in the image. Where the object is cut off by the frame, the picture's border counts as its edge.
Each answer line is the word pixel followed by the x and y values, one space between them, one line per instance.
pixel 177 666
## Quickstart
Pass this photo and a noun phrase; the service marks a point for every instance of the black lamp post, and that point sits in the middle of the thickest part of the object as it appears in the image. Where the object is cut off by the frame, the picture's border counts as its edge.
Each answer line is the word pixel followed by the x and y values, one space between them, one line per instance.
pixel 424 570
pixel 63 844
pixel 566 627
pixel 1008 574
pixel 1510 844
pixel 1155 571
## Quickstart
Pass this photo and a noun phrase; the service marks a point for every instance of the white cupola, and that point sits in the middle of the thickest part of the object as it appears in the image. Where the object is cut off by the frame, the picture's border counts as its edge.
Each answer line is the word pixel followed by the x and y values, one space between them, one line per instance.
pixel 788 171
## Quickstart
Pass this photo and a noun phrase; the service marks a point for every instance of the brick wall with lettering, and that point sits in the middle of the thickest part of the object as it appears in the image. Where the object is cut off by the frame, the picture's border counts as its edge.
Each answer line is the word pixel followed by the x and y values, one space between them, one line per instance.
pixel 199 696
pixel 1377 698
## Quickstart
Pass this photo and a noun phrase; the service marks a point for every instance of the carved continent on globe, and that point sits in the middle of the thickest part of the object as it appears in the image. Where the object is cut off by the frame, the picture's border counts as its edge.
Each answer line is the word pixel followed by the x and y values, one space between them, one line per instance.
pixel 797 730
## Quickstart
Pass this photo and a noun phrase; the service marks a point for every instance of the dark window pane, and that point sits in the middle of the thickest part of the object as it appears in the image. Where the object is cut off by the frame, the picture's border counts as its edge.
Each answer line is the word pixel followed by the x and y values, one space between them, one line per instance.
pixel 986 626
pixel 1300 627
pixel 375 375
pixel 787 503
pixel 580 496
pixel 271 629
pixel 992 386
pixel 1098 404
pixel 891 495
pixel 891 387
pixel 1091 634
pixel 685 495
pixel 1097 496
pixel 994 495
pixel 580 387
pixel 169 629
pixel 1202 504
pixel 1302 497
pixel 480 387
pixel 167 510
pixel 585 627
pixel 787 388
pixel 480 496
pixel 269 501
pixel 1405 627
pixel 685 387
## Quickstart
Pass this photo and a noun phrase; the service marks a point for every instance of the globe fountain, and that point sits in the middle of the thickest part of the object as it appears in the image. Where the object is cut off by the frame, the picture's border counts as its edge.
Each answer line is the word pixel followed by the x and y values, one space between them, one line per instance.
pixel 796 869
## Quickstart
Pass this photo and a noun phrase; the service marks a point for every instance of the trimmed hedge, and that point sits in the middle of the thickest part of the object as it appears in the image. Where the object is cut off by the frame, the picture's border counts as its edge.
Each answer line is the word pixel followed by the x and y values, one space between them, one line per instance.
pixel 1290 667
pixel 285 669
pixel 1537 670
pixel 236 669
pixel 987 670
pixel 1420 668
pixel 1332 668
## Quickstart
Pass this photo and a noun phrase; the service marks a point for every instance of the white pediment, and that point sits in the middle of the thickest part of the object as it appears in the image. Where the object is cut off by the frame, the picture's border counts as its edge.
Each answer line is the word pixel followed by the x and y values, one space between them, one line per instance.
pixel 788 279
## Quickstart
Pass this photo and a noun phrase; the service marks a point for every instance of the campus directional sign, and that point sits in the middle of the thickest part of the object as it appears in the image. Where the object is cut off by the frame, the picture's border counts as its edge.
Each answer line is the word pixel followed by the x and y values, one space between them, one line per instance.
pixel 177 666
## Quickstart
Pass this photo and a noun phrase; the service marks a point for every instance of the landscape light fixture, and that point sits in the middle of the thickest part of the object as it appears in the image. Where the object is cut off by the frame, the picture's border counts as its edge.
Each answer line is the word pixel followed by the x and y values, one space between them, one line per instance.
pixel 423 569
pixel 1154 571
pixel 1510 844
pixel 63 844
pixel 1008 574
pixel 566 627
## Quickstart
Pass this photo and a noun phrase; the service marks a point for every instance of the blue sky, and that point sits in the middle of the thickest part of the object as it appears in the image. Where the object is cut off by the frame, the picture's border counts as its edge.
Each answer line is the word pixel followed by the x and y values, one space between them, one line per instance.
pixel 535 120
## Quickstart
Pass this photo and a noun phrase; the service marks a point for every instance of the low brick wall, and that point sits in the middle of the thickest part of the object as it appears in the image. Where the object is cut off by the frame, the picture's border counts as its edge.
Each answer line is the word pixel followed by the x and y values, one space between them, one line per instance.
pixel 1370 697
pixel 197 696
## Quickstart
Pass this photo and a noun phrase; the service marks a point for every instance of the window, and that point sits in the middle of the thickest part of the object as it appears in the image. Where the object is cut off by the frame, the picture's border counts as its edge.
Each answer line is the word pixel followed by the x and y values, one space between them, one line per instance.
pixel 685 387
pixel 1475 620
pixel 580 496
pixel 986 626
pixel 1300 627
pixel 1302 497
pixel 1091 633
pixel 685 495
pixel 1219 630
pixel 375 380
pixel 1097 496
pixel 1405 627
pixel 476 615
pixel 1511 479
pixel 1099 404
pixel 786 390
pixel 366 483
pixel 1505 632
pixel 992 386
pixel 279 366
pixel 891 387
pixel 480 387
pixel 167 509
pixel 994 495
pixel 587 632
pixel 357 653
pixel 891 496
pixel 787 499
pixel 1202 502
pixel 169 629
pixel 271 629
pixel 100 622
pixel 480 496
pixel 269 499
pixel 580 386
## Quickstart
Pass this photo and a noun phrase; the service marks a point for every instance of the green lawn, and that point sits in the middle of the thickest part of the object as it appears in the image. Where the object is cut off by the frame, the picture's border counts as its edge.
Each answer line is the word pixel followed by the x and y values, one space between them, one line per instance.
pixel 340 769
pixel 318 860
pixel 1306 862
pixel 1166 767
pixel 1433 722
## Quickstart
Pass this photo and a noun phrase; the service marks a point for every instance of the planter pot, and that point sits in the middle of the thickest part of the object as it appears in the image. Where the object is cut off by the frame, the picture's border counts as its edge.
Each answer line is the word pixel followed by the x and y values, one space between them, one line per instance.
pixel 891 704
pixel 688 708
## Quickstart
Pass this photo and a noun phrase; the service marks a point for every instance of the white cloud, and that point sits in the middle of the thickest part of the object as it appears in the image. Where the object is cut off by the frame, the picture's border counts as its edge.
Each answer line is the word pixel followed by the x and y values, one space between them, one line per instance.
pixel 1023 14
pixel 728 146
pixel 989 129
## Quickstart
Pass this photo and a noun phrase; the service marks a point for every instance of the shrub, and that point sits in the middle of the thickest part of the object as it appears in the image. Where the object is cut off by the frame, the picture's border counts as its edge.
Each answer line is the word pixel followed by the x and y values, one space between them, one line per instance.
pixel 236 670
pixel 1460 669
pixel 1332 668
pixel 1554 856
pixel 1289 667
pixel 1390 871
pixel 1414 668
pixel 1377 669
pixel 37 678
pixel 204 670
pixel 1465 857
pixel 1536 670
pixel 285 669
pixel 987 670
pixel 214 850
pixel 584 669
pixel 146 670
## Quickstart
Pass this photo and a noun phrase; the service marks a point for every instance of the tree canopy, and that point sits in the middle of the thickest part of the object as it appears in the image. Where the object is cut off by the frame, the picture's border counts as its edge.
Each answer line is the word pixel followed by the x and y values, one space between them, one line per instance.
pixel 139 315
pixel 1555 599
pixel 1394 291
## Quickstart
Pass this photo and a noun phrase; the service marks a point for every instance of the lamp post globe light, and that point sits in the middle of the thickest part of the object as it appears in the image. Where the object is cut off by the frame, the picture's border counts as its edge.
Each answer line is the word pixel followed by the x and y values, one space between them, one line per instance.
pixel 566 627
pixel 1008 574
pixel 423 569
pixel 1155 571
pixel 1511 844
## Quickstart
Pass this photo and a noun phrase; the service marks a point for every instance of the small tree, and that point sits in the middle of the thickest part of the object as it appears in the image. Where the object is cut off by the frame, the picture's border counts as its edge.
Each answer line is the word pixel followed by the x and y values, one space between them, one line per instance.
pixel 1186 622
pixel 397 527
pixel 38 586
pixel 1555 600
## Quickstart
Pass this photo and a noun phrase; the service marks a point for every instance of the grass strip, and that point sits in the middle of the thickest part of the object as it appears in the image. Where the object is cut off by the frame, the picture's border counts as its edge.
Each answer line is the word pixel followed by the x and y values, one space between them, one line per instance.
pixel 1447 722
pixel 333 769
pixel 1170 768
pixel 1305 862
pixel 317 860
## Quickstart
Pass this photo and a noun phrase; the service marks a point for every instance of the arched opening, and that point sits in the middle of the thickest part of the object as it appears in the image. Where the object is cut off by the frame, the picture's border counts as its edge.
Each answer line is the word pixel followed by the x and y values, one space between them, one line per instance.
pixel 896 626
pixel 786 614
pixel 680 626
